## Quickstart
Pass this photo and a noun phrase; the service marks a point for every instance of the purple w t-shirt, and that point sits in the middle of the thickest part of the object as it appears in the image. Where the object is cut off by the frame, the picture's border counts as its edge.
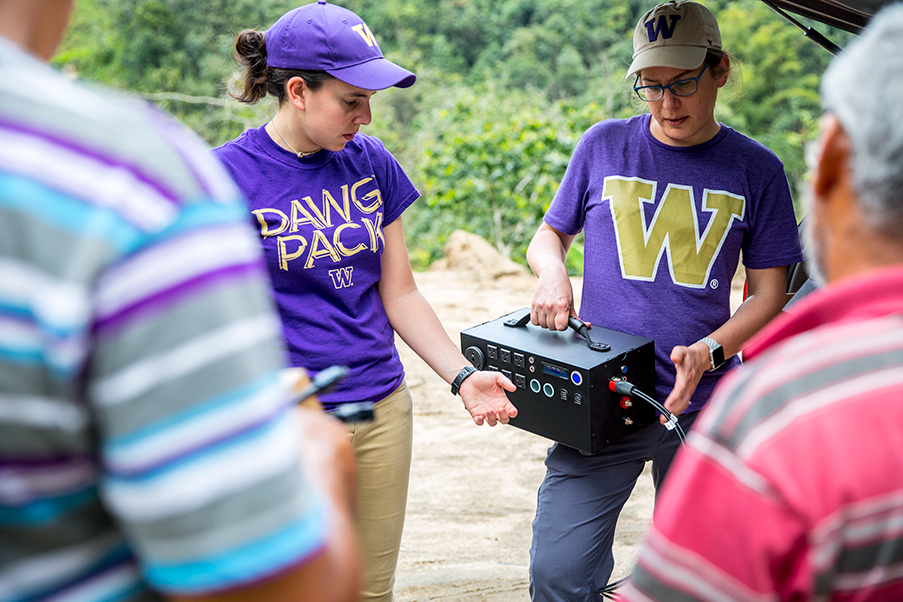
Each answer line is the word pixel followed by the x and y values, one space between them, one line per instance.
pixel 664 228
pixel 321 223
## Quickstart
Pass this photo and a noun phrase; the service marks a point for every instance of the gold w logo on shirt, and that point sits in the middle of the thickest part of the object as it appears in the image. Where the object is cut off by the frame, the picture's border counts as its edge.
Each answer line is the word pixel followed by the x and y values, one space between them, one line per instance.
pixel 674 228
pixel 341 278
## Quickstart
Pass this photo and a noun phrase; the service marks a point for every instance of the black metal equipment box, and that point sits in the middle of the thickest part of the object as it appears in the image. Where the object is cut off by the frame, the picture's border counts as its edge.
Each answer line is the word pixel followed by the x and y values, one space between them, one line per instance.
pixel 562 383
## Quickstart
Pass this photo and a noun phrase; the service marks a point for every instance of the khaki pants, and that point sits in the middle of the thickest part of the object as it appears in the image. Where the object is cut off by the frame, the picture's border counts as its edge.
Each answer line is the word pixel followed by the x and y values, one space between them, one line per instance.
pixel 383 452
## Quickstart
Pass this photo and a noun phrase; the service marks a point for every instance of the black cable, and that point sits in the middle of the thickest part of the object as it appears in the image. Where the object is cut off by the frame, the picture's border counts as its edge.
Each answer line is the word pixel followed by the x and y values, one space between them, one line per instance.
pixel 609 591
pixel 623 387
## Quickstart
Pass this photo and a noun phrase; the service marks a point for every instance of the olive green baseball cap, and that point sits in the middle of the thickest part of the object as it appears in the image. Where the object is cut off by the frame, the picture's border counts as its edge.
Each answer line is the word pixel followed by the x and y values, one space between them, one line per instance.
pixel 675 34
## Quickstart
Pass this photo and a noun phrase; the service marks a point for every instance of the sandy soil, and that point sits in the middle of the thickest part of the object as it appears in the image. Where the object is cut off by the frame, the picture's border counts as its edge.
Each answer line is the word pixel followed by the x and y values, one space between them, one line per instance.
pixel 473 489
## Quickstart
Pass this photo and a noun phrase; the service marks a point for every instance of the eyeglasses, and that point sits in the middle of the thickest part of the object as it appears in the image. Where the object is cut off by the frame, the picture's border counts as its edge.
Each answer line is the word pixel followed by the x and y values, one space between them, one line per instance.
pixel 682 87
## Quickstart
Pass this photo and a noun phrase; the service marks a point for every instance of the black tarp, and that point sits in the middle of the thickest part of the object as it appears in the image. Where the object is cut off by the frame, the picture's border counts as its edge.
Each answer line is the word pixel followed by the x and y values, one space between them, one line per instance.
pixel 849 15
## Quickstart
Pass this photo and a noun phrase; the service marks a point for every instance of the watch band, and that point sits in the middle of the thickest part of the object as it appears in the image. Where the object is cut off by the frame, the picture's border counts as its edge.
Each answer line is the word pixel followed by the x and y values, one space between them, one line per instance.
pixel 462 376
pixel 716 353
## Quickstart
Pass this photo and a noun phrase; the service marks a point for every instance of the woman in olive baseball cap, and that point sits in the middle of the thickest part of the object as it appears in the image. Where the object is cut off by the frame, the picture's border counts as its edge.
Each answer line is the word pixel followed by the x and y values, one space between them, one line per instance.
pixel 667 200
pixel 679 42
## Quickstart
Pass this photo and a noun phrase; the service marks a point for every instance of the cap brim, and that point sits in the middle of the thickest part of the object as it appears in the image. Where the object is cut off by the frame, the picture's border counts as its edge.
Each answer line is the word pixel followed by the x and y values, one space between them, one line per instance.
pixel 376 74
pixel 680 57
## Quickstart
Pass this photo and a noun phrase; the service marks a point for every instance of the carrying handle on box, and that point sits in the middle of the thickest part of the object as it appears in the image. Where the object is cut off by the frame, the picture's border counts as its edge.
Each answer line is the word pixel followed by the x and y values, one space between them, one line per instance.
pixel 580 327
pixel 583 330
pixel 518 322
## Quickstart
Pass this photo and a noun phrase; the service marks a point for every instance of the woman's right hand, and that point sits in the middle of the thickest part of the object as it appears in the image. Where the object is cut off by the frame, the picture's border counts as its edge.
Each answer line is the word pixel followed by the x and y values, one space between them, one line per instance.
pixel 553 301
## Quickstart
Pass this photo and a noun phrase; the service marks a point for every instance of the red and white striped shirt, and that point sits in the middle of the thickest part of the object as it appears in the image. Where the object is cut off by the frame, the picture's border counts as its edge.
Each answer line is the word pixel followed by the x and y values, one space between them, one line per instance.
pixel 791 486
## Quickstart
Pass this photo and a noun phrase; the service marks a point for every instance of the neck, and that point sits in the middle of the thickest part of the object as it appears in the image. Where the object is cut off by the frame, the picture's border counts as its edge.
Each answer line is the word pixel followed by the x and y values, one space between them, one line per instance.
pixel 36 25
pixel 850 240
pixel 284 135
pixel 861 251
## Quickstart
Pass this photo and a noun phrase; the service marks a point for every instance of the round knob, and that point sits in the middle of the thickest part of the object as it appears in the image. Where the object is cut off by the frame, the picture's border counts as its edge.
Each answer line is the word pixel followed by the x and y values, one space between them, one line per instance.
pixel 475 357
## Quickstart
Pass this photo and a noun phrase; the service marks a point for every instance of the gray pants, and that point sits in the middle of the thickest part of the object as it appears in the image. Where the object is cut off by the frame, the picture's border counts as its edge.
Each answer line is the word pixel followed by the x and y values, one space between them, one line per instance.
pixel 578 506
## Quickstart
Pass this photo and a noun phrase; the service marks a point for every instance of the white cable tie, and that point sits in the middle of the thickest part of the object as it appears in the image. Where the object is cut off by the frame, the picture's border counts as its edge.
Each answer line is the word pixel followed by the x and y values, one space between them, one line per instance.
pixel 672 422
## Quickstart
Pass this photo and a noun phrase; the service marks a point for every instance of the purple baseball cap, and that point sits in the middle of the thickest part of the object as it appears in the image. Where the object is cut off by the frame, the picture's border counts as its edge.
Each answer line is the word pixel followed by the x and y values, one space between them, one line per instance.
pixel 325 37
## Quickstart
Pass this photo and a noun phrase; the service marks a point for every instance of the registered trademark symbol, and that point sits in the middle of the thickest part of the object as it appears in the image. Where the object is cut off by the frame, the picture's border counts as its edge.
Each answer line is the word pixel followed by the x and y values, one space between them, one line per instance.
pixel 713 284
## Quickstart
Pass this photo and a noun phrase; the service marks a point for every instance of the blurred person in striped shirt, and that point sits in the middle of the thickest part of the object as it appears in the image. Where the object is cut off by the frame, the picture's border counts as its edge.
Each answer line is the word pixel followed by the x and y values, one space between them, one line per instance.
pixel 791 487
pixel 148 449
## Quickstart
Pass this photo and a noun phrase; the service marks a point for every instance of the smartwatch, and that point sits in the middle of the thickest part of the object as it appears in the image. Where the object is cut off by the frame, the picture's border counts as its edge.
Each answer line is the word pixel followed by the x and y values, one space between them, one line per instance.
pixel 463 374
pixel 716 353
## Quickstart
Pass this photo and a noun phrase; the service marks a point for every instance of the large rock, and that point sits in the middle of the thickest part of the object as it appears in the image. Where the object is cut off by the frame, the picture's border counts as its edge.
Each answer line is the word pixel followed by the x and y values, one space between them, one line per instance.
pixel 472 255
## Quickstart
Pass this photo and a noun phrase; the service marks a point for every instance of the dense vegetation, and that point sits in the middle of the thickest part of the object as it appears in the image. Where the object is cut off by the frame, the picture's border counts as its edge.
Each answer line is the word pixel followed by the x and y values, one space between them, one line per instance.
pixel 504 90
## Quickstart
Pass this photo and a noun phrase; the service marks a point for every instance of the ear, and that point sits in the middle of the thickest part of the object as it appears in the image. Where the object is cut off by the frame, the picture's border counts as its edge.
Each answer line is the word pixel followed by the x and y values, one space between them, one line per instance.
pixel 297 92
pixel 724 67
pixel 833 157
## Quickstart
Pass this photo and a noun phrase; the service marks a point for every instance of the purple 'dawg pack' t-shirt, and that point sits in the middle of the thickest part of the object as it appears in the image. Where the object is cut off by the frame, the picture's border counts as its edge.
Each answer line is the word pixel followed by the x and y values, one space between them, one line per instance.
pixel 321 223
pixel 664 227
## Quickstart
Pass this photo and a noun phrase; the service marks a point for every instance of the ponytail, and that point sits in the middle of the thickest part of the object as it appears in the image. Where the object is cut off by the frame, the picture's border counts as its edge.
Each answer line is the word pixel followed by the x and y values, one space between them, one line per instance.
pixel 260 80
pixel 251 51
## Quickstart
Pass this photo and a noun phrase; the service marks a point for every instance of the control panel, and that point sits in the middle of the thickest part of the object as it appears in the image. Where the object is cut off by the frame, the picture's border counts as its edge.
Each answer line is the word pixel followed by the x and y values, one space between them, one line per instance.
pixel 562 378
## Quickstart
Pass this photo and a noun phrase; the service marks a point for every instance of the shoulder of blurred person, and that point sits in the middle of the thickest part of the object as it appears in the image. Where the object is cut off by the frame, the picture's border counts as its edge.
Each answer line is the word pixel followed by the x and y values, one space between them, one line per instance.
pixel 145 435
pixel 119 129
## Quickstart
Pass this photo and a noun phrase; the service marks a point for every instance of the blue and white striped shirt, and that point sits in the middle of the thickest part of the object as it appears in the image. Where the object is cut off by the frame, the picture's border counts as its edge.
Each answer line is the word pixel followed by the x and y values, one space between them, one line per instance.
pixel 144 437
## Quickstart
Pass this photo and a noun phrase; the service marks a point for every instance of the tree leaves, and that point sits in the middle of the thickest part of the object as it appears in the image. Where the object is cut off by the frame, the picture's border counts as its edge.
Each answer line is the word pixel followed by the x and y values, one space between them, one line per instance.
pixel 505 88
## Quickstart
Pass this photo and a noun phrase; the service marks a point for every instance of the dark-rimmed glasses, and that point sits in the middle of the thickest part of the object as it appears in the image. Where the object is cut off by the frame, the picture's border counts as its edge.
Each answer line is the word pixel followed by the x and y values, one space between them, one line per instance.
pixel 682 87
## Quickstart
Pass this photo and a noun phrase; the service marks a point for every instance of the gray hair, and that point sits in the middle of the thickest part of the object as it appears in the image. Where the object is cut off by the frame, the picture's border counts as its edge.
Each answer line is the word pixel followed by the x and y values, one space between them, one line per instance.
pixel 863 88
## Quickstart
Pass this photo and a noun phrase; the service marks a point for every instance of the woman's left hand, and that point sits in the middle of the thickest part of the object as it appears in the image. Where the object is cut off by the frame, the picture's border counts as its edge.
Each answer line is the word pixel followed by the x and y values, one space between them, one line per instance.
pixel 484 397
pixel 691 363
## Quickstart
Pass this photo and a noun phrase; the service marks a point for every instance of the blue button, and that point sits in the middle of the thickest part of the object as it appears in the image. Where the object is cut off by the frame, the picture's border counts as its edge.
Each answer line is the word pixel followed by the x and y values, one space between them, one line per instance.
pixel 576 378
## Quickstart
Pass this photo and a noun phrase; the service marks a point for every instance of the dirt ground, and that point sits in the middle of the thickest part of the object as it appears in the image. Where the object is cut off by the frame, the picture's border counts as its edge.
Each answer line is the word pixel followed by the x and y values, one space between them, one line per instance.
pixel 473 489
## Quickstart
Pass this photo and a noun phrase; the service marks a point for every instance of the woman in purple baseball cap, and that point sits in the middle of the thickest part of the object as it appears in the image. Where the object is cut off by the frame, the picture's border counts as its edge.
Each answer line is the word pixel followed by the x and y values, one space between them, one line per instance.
pixel 327 201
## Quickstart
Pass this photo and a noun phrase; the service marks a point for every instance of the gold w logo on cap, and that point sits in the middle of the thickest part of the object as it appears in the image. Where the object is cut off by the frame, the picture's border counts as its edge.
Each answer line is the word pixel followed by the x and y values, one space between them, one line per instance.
pixel 365 33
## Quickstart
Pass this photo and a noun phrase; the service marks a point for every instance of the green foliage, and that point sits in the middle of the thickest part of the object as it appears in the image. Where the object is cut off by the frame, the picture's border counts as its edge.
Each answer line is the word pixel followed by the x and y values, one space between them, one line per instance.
pixel 177 53
pixel 554 46
pixel 505 88
pixel 491 163
pixel 778 101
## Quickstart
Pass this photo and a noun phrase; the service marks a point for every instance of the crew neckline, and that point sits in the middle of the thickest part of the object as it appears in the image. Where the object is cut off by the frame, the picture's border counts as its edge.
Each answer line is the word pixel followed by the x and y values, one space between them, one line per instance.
pixel 271 148
pixel 722 133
